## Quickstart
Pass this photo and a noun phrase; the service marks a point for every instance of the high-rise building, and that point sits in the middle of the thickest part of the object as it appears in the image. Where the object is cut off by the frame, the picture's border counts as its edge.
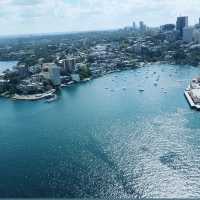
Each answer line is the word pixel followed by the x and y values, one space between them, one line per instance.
pixel 52 72
pixel 134 26
pixel 188 34
pixel 181 23
pixel 69 64
pixel 167 27
pixel 142 26
pixel 22 70
pixel 196 36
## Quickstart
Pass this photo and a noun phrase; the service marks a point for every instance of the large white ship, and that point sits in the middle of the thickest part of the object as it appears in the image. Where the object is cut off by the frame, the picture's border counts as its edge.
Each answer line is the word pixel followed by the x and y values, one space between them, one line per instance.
pixel 192 93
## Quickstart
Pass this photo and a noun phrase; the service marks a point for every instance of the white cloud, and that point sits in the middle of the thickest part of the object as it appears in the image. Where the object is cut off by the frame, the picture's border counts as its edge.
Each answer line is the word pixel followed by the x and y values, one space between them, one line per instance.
pixel 25 2
pixel 26 16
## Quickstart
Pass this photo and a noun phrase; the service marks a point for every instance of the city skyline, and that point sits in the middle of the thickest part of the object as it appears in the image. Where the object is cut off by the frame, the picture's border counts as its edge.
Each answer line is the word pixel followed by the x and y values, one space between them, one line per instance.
pixel 33 16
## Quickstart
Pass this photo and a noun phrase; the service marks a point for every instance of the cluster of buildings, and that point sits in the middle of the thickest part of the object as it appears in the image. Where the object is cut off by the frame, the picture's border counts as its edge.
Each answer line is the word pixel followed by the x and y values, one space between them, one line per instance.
pixel 78 57
pixel 36 79
pixel 99 59
pixel 176 43
pixel 141 27
pixel 182 31
pixel 107 58
pixel 41 77
pixel 22 80
pixel 188 33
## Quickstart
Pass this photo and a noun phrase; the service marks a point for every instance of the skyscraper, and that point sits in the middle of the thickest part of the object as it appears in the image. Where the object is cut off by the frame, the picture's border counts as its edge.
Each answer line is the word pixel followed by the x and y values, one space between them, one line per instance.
pixel 188 34
pixel 167 27
pixel 52 72
pixel 181 23
pixel 142 26
pixel 134 26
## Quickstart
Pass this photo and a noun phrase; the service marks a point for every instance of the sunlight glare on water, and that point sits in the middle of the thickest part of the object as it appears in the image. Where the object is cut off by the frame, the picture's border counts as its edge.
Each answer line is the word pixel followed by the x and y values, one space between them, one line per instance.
pixel 104 139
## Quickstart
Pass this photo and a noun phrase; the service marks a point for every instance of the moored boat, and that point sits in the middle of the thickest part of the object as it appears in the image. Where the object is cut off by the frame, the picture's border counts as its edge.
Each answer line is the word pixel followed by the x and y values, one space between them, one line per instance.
pixel 53 98
pixel 141 90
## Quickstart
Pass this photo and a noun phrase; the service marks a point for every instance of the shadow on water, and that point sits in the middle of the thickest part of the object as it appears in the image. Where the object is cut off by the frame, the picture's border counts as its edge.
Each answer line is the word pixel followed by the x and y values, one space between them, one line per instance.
pixel 95 148
pixel 173 160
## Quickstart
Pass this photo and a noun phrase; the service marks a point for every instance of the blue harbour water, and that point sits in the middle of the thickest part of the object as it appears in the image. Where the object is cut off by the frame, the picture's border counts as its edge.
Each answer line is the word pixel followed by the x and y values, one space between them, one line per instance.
pixel 104 138
pixel 4 65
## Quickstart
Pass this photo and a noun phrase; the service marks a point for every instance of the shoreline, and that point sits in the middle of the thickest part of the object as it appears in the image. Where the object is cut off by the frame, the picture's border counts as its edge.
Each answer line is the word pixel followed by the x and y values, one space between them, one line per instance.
pixel 44 95
pixel 33 97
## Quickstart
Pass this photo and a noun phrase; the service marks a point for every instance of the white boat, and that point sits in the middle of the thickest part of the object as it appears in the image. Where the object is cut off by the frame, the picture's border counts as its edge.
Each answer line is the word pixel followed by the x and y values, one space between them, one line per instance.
pixel 63 85
pixel 86 79
pixel 53 98
pixel 70 83
pixel 141 90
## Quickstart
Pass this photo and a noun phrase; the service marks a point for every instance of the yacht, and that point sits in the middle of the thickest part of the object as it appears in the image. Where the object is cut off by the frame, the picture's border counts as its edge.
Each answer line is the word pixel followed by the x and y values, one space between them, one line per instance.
pixel 51 99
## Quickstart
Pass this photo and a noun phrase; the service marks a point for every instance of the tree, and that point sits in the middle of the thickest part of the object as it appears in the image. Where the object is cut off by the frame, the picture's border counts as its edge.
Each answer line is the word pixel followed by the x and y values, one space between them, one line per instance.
pixel 84 72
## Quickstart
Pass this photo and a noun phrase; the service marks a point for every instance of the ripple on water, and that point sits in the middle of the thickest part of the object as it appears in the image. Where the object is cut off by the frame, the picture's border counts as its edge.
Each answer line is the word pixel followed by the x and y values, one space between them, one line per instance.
pixel 130 153
pixel 154 157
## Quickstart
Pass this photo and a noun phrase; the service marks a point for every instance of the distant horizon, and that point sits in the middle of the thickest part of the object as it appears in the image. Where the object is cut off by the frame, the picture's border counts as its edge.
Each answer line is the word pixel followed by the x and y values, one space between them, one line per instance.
pixel 22 17
pixel 56 33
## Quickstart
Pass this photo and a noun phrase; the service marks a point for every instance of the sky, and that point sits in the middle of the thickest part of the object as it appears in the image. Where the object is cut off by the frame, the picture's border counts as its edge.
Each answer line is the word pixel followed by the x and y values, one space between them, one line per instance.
pixel 46 16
